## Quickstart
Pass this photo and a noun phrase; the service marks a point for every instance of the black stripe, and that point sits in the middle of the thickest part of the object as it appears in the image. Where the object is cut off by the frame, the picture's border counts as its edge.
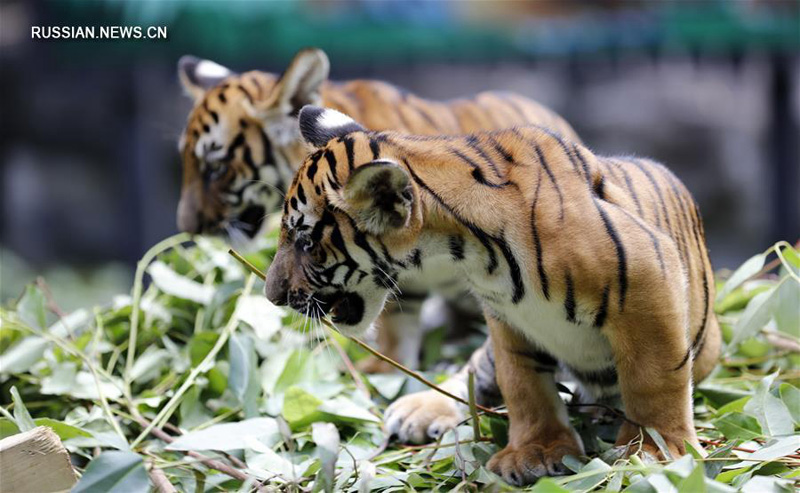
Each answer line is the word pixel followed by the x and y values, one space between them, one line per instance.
pixel 622 263
pixel 477 232
pixel 477 172
pixel 552 177
pixel 544 362
pixel 245 92
pixel 301 194
pixel 569 301
pixel 425 116
pixel 331 158
pixel 311 171
pixel 631 190
pixel 457 247
pixel 537 242
pixel 472 141
pixel 602 311
pixel 653 238
pixel 606 377
pixel 514 269
pixel 375 146
pixel 348 147
pixel 500 150
pixel 653 182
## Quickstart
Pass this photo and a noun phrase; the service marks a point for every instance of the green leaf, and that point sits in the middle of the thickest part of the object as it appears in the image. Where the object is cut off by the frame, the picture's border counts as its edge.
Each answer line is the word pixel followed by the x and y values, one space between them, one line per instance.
pixel 31 307
pixel 347 410
pixel 300 407
pixel 765 484
pixel 694 483
pixel 257 312
pixel 777 448
pixel 748 269
pixel 63 430
pixel 660 442
pixel 7 428
pixel 771 412
pixel 791 397
pixel 590 482
pixel 174 284
pixel 388 385
pixel 499 429
pixel 547 485
pixel 754 318
pixel 20 357
pixel 787 307
pixel 738 426
pixel 242 377
pixel 298 369
pixel 21 414
pixel 229 436
pixel 326 436
pixel 114 472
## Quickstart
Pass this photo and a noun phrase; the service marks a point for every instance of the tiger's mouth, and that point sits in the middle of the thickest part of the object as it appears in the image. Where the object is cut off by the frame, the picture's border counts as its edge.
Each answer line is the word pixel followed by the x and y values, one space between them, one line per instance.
pixel 343 307
pixel 251 220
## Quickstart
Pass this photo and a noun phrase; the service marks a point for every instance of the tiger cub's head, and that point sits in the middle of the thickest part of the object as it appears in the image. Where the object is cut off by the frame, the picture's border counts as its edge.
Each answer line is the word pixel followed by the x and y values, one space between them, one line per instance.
pixel 351 220
pixel 241 144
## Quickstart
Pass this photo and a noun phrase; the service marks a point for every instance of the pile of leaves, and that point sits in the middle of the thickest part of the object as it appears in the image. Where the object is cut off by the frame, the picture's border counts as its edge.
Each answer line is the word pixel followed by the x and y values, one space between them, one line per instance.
pixel 196 382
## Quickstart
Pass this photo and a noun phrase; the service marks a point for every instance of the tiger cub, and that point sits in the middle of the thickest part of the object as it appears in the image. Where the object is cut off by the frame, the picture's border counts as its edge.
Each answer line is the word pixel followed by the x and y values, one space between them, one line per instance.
pixel 597 265
pixel 242 145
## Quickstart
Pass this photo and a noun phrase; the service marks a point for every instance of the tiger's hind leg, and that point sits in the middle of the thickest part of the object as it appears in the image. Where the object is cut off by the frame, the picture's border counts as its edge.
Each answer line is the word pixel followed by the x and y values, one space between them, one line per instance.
pixel 649 346
pixel 539 434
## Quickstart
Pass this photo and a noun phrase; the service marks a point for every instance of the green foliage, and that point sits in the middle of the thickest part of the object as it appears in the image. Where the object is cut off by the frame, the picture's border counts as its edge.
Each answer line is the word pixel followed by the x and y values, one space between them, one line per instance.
pixel 236 375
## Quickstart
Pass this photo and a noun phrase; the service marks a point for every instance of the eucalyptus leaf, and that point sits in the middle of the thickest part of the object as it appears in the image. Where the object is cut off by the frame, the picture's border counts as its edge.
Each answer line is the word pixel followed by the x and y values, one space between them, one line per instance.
pixel 747 270
pixel 114 472
pixel 31 307
pixel 177 285
pixel 770 411
pixel 229 436
pixel 790 395
pixel 21 415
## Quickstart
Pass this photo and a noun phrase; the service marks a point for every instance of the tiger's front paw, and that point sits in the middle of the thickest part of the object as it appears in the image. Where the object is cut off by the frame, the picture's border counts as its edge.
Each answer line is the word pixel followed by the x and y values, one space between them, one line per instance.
pixel 519 465
pixel 422 417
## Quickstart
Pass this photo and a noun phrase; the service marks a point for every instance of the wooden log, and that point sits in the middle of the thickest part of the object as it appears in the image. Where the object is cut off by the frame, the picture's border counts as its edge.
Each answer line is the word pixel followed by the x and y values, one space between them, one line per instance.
pixel 35 461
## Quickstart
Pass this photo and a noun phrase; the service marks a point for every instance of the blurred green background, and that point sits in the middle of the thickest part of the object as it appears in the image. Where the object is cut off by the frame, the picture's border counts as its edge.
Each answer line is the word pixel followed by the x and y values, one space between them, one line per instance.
pixel 90 170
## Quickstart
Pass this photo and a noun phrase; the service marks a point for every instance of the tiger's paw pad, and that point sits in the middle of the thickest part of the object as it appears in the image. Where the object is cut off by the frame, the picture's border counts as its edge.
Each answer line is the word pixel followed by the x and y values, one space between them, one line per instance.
pixel 519 466
pixel 422 416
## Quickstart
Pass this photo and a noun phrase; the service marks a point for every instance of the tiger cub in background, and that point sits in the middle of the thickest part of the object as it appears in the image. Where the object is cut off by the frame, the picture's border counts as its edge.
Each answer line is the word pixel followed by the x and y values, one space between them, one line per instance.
pixel 595 264
pixel 242 146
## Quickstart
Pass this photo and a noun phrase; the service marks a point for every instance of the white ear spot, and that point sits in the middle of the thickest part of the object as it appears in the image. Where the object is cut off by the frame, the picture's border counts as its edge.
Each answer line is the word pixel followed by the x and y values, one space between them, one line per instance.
pixel 209 69
pixel 333 119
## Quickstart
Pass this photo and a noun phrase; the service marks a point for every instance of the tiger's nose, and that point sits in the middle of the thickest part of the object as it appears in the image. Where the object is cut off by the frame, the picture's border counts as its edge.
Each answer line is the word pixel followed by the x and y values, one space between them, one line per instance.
pixel 188 221
pixel 277 292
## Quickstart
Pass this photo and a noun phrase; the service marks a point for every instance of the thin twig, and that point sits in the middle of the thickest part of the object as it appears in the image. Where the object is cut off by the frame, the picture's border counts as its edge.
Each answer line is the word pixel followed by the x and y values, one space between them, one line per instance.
pixel 350 367
pixel 473 410
pixel 138 282
pixel 160 481
pixel 207 461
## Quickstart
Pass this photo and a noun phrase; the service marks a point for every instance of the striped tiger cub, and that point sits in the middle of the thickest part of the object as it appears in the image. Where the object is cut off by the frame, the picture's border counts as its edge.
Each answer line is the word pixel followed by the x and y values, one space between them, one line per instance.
pixel 595 265
pixel 242 146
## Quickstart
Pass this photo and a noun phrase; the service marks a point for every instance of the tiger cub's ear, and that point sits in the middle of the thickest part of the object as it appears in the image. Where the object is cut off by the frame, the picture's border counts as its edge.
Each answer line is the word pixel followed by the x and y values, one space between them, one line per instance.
pixel 319 125
pixel 380 196
pixel 300 84
pixel 197 76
